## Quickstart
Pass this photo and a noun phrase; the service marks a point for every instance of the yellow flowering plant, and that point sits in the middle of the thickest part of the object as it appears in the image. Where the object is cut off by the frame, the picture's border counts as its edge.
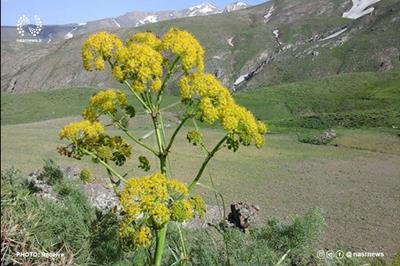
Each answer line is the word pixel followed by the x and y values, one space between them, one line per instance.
pixel 144 64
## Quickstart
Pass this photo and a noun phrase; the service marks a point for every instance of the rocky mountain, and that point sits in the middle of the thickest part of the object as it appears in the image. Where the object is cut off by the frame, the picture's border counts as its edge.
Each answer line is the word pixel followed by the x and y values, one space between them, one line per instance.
pixel 236 6
pixel 51 33
pixel 278 41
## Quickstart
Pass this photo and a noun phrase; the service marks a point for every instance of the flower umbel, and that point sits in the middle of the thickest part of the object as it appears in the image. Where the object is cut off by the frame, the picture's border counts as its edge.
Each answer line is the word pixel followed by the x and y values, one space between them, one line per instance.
pixel 215 103
pixel 82 130
pixel 98 48
pixel 181 43
pixel 153 201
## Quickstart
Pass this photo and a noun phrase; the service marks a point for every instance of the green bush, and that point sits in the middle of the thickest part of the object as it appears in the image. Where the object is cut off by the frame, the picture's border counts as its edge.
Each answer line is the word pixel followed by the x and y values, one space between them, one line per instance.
pixel 259 246
pixel 313 139
pixel 43 225
pixel 51 173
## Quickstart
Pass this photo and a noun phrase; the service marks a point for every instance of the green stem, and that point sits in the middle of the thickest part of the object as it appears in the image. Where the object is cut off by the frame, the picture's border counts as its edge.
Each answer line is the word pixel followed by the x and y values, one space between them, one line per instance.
pixel 160 243
pixel 164 138
pixel 158 135
pixel 147 99
pixel 206 161
pixel 129 134
pixel 138 141
pixel 171 141
pixel 113 184
pixel 161 234
pixel 182 244
pixel 164 84
pixel 106 165
pixel 145 106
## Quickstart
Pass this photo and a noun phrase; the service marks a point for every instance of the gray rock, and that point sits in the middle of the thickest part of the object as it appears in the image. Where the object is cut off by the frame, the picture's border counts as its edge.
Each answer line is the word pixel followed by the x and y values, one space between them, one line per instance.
pixel 42 190
pixel 243 215
pixel 71 172
pixel 101 197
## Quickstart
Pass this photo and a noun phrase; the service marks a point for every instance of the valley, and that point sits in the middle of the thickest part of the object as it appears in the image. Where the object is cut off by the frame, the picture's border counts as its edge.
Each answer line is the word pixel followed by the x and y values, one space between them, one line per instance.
pixel 323 75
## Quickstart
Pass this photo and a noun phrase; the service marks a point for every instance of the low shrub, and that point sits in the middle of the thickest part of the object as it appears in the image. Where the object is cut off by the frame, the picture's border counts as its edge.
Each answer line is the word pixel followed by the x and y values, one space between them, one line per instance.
pixel 32 224
pixel 51 172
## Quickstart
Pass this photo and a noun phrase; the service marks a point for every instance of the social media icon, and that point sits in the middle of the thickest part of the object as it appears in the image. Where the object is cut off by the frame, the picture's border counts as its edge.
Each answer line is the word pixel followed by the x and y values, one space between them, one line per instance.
pixel 330 254
pixel 339 254
pixel 321 254
pixel 349 254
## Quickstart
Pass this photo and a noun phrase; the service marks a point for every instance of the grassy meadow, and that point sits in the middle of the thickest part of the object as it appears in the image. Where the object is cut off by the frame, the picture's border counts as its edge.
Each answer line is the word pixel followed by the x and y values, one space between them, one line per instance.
pixel 354 179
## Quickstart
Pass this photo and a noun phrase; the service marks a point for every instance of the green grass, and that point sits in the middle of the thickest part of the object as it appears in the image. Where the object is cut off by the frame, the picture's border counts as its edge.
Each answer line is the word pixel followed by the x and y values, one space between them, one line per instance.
pixel 44 105
pixel 349 100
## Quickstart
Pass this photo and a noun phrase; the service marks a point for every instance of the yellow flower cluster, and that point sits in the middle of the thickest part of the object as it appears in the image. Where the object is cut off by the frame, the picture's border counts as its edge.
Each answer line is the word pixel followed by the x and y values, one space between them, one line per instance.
pixel 98 48
pixel 141 64
pixel 216 103
pixel 147 38
pixel 89 133
pixel 85 129
pixel 182 210
pixel 181 43
pixel 103 102
pixel 143 236
pixel 151 202
pixel 141 60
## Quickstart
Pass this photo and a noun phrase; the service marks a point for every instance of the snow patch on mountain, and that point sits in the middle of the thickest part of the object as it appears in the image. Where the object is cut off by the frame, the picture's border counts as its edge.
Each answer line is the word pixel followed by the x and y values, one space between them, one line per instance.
pixel 335 34
pixel 236 6
pixel 241 79
pixel 202 9
pixel 269 14
pixel 360 8
pixel 82 24
pixel 69 35
pixel 116 23
pixel 148 19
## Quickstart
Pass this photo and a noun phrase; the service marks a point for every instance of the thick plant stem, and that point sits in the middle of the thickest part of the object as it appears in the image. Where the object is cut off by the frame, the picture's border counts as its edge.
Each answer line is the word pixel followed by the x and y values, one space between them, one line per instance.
pixel 161 235
pixel 160 141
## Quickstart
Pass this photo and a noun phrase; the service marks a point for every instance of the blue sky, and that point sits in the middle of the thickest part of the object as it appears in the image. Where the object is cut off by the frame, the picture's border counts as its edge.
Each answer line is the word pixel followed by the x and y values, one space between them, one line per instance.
pixel 68 11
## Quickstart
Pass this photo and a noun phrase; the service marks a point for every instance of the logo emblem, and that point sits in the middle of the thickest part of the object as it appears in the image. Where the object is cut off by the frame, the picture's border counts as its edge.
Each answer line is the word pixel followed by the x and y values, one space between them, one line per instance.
pixel 34 30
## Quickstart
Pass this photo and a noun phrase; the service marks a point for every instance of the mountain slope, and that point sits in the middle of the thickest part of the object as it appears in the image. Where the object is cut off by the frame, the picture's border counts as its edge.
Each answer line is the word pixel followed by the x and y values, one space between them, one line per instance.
pixel 279 41
pixel 51 33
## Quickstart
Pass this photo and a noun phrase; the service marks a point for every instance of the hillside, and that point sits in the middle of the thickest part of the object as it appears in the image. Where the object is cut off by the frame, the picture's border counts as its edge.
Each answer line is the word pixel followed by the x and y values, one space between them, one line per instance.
pixel 275 42
pixel 347 100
